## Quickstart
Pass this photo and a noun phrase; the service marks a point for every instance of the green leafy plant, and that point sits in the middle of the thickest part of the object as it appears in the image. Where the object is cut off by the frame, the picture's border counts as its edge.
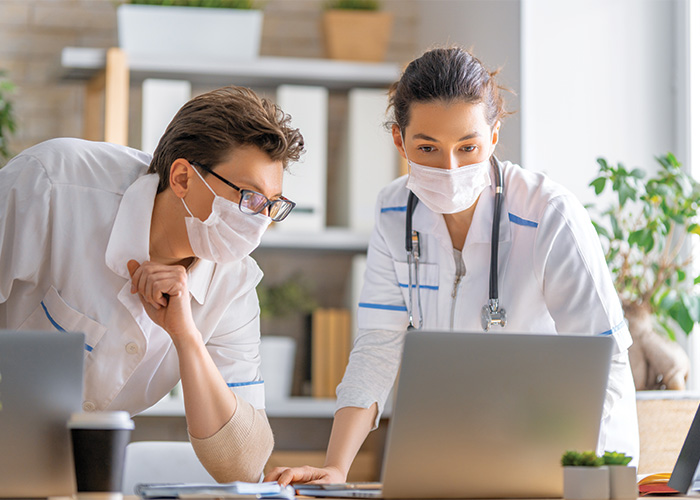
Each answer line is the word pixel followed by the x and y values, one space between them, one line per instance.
pixel 8 122
pixel 615 458
pixel 214 4
pixel 353 4
pixel 645 234
pixel 585 458
pixel 289 297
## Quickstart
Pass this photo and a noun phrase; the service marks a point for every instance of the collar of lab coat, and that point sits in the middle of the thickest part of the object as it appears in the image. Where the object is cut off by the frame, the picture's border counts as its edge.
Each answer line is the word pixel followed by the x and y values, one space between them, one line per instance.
pixel 130 236
pixel 429 222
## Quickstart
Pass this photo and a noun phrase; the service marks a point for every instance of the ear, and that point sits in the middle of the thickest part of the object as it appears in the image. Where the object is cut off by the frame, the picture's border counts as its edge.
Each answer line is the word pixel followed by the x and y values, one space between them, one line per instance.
pixel 495 133
pixel 180 175
pixel 398 140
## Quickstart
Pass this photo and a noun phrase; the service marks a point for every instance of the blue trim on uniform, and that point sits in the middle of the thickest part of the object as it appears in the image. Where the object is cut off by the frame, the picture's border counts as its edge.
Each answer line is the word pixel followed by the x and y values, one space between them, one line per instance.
pixel 394 209
pixel 241 384
pixel 53 322
pixel 59 327
pixel 429 287
pixel 382 306
pixel 614 329
pixel 521 222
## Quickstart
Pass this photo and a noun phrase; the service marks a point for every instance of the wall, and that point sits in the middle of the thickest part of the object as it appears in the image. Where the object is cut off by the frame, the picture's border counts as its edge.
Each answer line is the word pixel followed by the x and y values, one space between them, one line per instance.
pixel 33 32
pixel 598 79
pixel 491 30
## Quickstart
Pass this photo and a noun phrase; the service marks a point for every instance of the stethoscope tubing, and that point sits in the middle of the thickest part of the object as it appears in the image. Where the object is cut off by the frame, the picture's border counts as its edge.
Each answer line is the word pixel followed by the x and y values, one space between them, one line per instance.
pixel 412 245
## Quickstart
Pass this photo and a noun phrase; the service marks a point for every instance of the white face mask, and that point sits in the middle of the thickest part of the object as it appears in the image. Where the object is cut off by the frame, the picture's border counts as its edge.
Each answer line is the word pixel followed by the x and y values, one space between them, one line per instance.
pixel 228 235
pixel 448 191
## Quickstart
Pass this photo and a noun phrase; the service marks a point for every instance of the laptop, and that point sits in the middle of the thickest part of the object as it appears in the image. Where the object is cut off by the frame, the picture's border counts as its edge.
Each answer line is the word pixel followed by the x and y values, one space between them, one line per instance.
pixel 487 415
pixel 41 384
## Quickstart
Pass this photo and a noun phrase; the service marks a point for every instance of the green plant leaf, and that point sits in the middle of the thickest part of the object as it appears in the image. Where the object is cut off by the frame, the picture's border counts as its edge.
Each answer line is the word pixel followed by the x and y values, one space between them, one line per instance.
pixel 638 173
pixel 598 185
pixel 679 313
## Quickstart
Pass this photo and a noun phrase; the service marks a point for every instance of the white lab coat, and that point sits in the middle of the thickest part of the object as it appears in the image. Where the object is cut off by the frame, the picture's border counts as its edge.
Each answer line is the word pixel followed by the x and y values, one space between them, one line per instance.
pixel 72 213
pixel 552 278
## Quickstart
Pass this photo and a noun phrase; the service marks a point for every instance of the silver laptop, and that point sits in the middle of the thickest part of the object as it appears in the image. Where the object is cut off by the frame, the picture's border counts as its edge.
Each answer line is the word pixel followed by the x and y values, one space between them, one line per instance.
pixel 41 381
pixel 488 415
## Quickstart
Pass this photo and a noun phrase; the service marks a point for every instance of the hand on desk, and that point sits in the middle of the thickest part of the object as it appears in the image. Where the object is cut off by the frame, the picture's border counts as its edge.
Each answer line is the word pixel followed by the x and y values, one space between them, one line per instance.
pixel 164 294
pixel 305 474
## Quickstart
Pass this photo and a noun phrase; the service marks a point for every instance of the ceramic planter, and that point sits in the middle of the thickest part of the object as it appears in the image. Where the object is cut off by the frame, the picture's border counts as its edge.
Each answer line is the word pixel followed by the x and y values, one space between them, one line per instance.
pixel 623 482
pixel 189 32
pixel 586 483
pixel 356 35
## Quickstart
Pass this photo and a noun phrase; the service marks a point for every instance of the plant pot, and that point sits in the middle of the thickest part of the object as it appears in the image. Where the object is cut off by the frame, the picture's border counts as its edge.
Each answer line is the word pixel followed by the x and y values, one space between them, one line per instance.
pixel 623 482
pixel 356 35
pixel 586 483
pixel 189 32
pixel 277 366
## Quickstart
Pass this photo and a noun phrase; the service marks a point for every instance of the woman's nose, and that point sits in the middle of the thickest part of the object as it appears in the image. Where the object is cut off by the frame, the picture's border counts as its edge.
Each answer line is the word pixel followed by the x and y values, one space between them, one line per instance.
pixel 453 162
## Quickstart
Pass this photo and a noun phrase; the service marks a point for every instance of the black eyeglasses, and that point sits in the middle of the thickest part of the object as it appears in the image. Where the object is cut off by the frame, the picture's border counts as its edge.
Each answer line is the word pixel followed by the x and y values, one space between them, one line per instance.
pixel 252 202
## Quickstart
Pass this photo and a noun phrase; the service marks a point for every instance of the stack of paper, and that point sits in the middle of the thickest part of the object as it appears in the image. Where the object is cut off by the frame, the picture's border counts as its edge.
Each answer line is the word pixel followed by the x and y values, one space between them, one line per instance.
pixel 238 489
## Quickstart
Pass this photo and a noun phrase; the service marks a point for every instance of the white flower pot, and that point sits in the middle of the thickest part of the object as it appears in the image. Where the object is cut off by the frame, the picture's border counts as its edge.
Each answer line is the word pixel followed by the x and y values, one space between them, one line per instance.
pixel 623 482
pixel 277 365
pixel 189 32
pixel 586 483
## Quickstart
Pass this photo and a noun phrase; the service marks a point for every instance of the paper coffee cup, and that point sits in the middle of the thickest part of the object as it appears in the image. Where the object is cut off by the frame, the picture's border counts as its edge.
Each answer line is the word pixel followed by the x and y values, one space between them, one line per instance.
pixel 99 445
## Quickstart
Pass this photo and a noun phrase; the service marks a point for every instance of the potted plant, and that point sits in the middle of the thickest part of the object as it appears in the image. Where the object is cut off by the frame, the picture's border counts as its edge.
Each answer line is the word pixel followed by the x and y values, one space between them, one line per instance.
pixel 8 123
pixel 585 476
pixel 219 30
pixel 645 235
pixel 356 30
pixel 623 478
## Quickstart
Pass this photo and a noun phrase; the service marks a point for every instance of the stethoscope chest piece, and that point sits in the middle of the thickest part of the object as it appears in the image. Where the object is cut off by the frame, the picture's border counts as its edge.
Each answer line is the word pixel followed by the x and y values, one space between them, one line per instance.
pixel 491 315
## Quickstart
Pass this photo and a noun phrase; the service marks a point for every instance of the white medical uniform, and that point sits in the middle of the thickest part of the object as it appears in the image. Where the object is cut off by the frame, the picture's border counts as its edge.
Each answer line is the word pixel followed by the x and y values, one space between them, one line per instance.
pixel 72 214
pixel 552 277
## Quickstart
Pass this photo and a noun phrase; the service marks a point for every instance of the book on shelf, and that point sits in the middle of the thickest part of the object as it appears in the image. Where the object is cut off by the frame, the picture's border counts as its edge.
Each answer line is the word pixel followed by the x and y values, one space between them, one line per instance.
pixel 330 349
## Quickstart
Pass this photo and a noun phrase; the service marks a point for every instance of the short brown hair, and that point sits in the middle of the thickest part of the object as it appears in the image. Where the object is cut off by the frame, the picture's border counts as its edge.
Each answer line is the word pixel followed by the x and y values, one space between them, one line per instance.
pixel 446 74
pixel 210 126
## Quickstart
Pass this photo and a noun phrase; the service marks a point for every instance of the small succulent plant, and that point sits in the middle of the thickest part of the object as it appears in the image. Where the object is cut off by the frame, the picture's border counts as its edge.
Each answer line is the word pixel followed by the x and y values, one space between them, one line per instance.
pixel 585 459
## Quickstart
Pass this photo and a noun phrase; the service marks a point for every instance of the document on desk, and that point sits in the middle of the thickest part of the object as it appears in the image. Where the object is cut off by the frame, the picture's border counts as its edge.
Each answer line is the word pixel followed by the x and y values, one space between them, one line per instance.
pixel 236 490
pixel 340 490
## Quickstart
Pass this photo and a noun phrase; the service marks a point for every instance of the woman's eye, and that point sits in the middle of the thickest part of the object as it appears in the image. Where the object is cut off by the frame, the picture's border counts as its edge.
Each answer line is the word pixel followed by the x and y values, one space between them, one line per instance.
pixel 426 149
pixel 469 149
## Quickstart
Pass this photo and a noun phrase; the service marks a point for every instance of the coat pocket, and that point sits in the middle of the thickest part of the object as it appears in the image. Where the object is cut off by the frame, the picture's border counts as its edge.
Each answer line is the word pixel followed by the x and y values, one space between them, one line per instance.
pixel 428 286
pixel 53 314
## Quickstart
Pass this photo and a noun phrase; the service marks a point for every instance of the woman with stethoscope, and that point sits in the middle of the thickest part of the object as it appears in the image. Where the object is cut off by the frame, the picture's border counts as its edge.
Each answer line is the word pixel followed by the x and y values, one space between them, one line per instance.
pixel 484 245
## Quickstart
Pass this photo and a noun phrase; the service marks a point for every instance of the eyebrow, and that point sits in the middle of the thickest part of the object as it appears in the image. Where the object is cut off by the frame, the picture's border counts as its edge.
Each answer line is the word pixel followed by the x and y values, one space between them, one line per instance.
pixel 255 187
pixel 428 138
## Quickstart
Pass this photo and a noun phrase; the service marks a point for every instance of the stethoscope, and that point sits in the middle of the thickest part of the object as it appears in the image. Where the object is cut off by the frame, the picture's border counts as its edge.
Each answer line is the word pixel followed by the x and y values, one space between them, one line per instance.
pixel 491 314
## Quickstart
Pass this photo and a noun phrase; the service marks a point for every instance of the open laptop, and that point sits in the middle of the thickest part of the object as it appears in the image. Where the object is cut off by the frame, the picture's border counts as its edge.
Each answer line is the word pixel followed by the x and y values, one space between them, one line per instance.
pixel 488 415
pixel 41 383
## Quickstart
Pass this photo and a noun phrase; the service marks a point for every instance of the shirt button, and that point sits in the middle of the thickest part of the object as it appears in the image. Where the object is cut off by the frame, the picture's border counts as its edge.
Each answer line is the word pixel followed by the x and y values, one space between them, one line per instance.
pixel 89 406
pixel 132 348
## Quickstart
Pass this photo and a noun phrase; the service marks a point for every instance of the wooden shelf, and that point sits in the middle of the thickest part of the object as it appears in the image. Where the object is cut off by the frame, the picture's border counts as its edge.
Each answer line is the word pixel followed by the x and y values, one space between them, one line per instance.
pixel 295 407
pixel 86 62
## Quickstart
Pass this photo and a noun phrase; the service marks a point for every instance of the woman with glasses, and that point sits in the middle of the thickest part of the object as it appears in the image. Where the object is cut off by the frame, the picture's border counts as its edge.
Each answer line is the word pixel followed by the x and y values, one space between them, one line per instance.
pixel 149 257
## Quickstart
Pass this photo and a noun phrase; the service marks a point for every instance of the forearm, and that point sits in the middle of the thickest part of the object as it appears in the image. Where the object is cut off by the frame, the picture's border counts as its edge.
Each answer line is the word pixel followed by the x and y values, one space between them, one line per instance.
pixel 351 426
pixel 209 403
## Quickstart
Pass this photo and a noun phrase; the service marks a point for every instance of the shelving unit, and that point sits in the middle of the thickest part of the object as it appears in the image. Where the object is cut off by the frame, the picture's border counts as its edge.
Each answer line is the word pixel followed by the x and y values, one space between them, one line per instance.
pixel 110 71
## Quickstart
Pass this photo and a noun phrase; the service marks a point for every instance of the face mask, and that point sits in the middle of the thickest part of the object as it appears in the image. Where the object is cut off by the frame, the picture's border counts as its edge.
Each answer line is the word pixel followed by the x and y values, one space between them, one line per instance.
pixel 228 235
pixel 448 191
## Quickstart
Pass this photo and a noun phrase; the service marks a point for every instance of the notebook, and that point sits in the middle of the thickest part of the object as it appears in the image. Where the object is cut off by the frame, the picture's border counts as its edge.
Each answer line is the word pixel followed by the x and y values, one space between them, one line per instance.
pixel 487 415
pixel 41 381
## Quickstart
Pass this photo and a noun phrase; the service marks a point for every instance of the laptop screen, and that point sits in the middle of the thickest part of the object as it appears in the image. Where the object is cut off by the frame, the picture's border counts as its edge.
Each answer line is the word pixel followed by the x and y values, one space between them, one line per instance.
pixel 41 381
